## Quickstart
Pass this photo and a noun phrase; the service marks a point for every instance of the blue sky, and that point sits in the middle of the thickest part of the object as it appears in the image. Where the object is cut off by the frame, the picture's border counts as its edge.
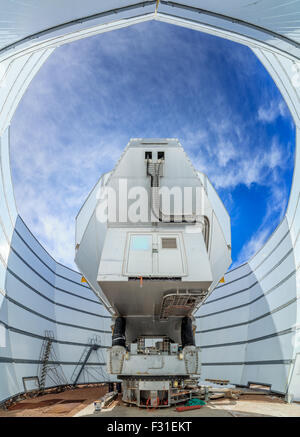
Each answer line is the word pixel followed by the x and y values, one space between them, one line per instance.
pixel 152 80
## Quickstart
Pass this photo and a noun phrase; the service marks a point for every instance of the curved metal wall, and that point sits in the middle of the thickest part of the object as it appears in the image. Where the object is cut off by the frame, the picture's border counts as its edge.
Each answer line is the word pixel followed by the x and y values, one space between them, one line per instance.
pixel 249 327
pixel 42 295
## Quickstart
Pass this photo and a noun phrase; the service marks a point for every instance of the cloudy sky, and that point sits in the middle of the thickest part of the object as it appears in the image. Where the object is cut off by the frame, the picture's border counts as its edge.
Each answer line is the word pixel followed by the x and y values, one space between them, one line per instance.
pixel 152 80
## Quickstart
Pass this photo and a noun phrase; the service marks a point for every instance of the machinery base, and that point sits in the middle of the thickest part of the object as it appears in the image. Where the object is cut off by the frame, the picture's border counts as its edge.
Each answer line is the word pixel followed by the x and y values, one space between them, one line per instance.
pixel 149 392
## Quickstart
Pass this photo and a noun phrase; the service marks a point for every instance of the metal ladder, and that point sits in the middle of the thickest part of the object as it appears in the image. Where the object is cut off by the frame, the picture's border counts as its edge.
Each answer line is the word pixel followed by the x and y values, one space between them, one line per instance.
pixel 94 343
pixel 44 358
pixel 48 363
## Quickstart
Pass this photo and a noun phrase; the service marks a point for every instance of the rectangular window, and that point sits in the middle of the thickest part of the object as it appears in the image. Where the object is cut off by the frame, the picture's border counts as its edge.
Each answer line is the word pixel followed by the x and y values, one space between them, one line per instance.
pixel 140 242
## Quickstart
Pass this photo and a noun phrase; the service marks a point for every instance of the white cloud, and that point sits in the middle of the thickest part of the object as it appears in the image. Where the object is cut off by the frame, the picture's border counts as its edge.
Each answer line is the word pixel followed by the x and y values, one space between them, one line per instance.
pixel 270 112
pixel 252 246
pixel 229 163
pixel 276 204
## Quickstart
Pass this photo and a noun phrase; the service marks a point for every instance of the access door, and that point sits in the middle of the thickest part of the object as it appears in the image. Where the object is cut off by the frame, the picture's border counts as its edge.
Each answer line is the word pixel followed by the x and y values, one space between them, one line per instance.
pixel 139 257
pixel 171 257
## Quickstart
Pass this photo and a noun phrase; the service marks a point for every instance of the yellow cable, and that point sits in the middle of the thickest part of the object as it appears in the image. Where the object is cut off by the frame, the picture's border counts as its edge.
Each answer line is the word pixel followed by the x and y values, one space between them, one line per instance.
pixel 156 7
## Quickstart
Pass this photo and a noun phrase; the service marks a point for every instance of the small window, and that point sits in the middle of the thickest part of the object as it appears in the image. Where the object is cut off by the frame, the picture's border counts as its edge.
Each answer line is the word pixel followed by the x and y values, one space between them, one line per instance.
pixel 148 155
pixel 169 243
pixel 140 242
pixel 161 155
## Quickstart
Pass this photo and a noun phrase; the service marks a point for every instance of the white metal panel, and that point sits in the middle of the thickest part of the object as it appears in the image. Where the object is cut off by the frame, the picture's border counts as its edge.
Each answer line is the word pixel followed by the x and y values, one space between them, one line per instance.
pixel 281 270
pixel 224 354
pixel 76 288
pixel 30 276
pixel 224 336
pixel 275 323
pixel 274 375
pixel 88 207
pixel 223 304
pixel 25 296
pixel 72 334
pixel 27 321
pixel 23 254
pixel 29 239
pixel 281 251
pixel 218 206
pixel 238 272
pixel 69 316
pixel 193 243
pixel 278 16
pixel 272 244
pixel 171 260
pixel 9 383
pixel 279 296
pixel 230 289
pixel 24 19
pixel 231 316
pixel 71 300
pixel 25 347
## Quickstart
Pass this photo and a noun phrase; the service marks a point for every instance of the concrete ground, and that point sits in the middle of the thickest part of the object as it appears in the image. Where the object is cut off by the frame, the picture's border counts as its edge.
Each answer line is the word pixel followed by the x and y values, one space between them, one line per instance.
pixel 246 406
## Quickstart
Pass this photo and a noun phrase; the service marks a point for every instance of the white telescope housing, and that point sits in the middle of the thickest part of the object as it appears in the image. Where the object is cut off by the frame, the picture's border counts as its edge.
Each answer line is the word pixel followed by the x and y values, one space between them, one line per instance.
pixel 153 240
